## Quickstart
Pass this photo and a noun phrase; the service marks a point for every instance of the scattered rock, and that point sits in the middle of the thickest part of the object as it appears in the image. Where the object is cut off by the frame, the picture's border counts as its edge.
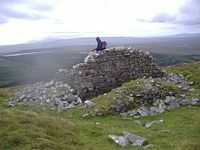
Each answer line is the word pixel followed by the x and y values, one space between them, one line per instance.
pixel 143 111
pixel 128 139
pixel 53 94
pixel 86 115
pixel 11 104
pixel 120 140
pixel 135 139
pixel 149 124
pixel 184 102
pixel 131 113
pixel 195 101
pixel 89 104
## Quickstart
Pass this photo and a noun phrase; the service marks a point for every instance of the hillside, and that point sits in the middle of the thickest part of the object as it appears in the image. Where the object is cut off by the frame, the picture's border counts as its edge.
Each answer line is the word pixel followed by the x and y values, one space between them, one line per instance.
pixel 37 127
pixel 39 60
pixel 16 70
pixel 20 69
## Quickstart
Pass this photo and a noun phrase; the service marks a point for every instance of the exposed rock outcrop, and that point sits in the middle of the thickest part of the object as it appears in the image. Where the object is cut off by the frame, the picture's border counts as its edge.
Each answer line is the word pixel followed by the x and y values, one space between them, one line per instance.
pixel 108 69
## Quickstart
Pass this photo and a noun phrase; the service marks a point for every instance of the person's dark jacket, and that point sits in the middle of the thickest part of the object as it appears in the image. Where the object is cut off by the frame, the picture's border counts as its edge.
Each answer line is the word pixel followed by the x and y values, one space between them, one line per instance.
pixel 100 45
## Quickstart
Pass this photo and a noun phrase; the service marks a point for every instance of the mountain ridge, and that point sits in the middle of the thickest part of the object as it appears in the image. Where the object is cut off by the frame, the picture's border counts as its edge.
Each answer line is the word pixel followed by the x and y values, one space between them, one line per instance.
pixel 112 41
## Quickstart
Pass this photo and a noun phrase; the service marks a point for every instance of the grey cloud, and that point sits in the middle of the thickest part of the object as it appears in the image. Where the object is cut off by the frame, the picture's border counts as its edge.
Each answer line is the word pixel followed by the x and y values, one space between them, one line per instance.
pixel 9 10
pixel 42 8
pixel 189 14
pixel 11 1
pixel 160 18
pixel 188 21
pixel 164 18
pixel 3 20
pixel 193 6
pixel 9 13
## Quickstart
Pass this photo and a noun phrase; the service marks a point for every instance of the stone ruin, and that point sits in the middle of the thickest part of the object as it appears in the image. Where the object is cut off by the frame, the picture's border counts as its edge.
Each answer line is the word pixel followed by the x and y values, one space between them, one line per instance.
pixel 108 69
pixel 102 72
pixel 99 73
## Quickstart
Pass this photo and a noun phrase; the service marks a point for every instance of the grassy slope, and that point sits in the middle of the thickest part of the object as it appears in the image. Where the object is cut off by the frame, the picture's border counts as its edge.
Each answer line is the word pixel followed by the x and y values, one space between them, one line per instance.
pixel 191 71
pixel 21 129
pixel 39 128
pixel 31 68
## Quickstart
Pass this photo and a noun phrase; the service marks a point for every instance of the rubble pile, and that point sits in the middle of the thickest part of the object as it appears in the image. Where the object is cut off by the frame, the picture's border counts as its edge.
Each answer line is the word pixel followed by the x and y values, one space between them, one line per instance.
pixel 56 94
pixel 153 96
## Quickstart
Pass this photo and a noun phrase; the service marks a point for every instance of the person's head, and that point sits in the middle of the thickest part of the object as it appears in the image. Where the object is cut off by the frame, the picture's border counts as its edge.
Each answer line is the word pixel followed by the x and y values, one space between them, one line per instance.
pixel 97 39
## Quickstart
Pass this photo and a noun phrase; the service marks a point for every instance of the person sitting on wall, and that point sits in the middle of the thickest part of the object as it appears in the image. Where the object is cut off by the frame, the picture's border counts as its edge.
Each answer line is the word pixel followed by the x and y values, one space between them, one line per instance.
pixel 101 45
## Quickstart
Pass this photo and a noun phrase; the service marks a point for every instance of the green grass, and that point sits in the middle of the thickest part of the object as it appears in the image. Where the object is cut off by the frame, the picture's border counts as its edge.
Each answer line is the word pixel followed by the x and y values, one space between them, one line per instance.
pixel 191 71
pixel 39 128
pixel 26 128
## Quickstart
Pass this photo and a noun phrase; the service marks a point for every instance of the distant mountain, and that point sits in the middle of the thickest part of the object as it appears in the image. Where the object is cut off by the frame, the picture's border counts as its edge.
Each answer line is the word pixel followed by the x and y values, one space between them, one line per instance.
pixel 56 43
pixel 186 42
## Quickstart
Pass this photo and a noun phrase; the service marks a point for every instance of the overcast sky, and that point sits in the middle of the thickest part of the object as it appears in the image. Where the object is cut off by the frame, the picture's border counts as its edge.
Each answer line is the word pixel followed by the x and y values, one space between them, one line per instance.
pixel 32 20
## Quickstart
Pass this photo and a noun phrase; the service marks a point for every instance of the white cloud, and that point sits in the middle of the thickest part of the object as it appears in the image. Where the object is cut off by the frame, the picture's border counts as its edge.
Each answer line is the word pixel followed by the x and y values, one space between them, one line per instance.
pixel 71 18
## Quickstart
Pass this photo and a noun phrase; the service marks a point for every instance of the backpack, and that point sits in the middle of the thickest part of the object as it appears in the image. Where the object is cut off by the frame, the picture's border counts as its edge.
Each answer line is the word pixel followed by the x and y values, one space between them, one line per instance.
pixel 104 44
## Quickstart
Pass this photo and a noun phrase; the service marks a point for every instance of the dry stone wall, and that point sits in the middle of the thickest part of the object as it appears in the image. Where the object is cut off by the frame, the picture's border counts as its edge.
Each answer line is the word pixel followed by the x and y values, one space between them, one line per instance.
pixel 108 69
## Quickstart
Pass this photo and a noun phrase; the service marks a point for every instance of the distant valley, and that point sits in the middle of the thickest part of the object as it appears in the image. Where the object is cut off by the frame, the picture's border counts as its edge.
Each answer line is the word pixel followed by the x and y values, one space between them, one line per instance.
pixel 177 44
pixel 27 63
